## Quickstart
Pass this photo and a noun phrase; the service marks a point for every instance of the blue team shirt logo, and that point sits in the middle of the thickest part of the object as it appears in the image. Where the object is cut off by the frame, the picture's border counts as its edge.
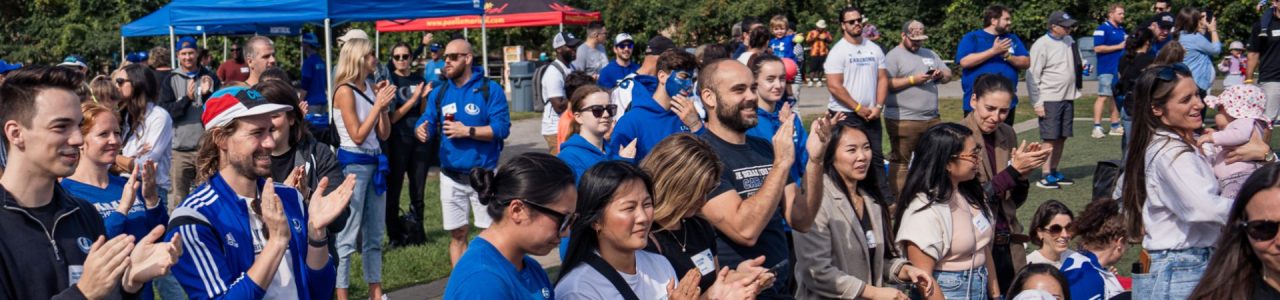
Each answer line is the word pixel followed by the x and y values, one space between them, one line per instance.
pixel 231 241
pixel 297 225
pixel 546 293
pixel 84 243
pixel 472 109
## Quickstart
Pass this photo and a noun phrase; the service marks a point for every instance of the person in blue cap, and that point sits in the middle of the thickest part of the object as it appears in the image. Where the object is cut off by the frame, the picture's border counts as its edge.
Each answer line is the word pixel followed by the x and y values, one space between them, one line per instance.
pixel 433 68
pixel 182 94
pixel 5 67
pixel 314 74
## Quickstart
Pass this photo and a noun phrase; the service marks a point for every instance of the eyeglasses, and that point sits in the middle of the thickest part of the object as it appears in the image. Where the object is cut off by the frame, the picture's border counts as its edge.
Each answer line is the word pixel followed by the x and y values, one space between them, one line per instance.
pixel 1055 229
pixel 971 156
pixel 1261 230
pixel 456 56
pixel 565 220
pixel 599 110
pixel 624 46
pixel 121 81
pixel 401 57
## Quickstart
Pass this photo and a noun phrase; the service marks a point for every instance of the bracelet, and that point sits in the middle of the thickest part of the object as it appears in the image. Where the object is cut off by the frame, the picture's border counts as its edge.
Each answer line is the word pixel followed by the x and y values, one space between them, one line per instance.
pixel 319 243
pixel 857 108
pixel 911 80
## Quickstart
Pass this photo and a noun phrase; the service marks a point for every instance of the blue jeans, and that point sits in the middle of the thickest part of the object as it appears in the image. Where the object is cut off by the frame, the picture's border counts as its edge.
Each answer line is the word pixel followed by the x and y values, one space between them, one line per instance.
pixel 367 222
pixel 1173 274
pixel 970 285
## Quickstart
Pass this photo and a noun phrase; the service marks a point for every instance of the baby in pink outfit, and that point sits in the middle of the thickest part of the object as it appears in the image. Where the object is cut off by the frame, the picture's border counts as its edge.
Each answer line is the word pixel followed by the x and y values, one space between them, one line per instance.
pixel 1240 115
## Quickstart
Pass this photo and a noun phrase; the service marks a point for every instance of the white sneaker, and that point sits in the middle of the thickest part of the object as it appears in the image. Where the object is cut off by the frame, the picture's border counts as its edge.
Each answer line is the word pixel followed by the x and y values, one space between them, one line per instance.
pixel 1116 131
pixel 1097 132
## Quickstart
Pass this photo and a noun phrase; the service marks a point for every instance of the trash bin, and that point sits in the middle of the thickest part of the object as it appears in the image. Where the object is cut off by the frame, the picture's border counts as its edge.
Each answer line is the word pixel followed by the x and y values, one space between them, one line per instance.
pixel 521 77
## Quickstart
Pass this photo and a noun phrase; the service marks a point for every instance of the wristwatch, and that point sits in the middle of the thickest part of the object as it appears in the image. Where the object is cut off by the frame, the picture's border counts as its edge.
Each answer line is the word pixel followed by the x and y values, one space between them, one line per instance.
pixel 471 132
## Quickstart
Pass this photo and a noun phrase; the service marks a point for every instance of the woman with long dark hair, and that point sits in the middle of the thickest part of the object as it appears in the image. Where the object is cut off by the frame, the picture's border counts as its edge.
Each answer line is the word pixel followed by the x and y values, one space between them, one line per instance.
pixel 845 254
pixel 406 155
pixel 146 127
pixel 1137 57
pixel 532 201
pixel 1180 220
pixel 1198 34
pixel 1040 277
pixel 1100 236
pixel 1246 261
pixel 951 231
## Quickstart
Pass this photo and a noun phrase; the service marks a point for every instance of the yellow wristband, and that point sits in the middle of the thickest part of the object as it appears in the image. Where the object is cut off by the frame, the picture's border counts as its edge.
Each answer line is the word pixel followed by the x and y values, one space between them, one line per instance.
pixel 857 108
pixel 911 80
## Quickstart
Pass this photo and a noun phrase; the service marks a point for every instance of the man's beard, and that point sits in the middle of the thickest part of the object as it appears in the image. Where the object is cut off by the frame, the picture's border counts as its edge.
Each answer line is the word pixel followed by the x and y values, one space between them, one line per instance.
pixel 455 72
pixel 732 117
pixel 248 166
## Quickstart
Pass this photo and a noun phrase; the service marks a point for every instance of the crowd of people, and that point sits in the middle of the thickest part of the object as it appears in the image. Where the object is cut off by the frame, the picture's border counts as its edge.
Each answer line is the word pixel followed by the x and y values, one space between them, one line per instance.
pixel 679 175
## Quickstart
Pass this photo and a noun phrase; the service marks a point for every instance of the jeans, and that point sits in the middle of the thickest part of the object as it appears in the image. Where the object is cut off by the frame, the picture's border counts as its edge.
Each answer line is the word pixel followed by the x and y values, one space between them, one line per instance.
pixel 366 222
pixel 965 285
pixel 1173 274
pixel 1126 121
pixel 873 129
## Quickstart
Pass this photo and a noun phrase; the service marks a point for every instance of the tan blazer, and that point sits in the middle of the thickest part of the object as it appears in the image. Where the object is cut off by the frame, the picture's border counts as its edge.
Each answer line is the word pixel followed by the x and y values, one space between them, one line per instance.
pixel 832 259
pixel 1005 141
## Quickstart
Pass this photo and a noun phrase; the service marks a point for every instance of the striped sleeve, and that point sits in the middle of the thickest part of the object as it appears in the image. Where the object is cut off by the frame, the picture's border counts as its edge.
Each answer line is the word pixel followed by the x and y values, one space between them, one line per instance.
pixel 202 269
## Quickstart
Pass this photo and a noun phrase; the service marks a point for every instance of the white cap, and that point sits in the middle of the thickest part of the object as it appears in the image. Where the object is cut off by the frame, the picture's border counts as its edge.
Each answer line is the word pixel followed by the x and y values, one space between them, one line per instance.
pixel 622 37
pixel 353 34
pixel 1236 45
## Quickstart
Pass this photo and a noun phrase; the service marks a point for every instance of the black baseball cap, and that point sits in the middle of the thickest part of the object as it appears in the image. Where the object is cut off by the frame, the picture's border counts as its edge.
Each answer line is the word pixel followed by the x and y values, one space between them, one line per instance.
pixel 659 44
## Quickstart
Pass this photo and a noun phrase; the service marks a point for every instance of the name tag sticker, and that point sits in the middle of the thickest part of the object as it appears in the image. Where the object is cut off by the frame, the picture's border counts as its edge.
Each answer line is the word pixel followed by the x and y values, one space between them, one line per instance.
pixel 705 262
pixel 980 223
pixel 75 271
pixel 871 239
pixel 450 109
pixel 244 69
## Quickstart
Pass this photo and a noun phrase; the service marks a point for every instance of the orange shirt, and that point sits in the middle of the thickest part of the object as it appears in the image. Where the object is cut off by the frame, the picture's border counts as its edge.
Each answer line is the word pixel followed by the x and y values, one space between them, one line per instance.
pixel 818 40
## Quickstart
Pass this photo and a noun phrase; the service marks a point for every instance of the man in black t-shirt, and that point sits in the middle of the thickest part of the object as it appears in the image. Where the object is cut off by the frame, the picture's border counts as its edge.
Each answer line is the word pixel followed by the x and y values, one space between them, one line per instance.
pixel 745 207
pixel 1264 56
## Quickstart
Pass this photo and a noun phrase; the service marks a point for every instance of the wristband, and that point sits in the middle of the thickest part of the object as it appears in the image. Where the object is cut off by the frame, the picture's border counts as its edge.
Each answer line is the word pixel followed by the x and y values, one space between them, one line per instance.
pixel 857 108
pixel 319 243
pixel 471 132
pixel 911 80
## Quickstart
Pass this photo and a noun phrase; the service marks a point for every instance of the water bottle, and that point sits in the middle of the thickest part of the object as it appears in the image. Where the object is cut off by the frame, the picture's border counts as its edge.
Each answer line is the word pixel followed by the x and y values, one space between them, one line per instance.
pixel 1087 66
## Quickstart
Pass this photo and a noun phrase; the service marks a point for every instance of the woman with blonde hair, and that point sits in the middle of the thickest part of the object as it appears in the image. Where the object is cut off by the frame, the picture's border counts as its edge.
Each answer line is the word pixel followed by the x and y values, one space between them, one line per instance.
pixel 362 120
pixel 103 91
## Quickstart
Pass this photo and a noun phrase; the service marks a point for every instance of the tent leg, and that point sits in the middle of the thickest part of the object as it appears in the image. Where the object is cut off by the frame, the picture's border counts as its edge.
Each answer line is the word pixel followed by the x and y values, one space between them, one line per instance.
pixel 484 45
pixel 328 65
pixel 377 41
pixel 562 24
pixel 224 48
pixel 302 59
pixel 204 38
pixel 122 54
pixel 173 53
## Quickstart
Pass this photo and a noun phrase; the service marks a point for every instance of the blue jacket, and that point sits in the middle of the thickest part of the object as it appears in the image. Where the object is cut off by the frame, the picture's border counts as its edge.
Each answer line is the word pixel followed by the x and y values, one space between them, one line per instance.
pixel 472 109
pixel 314 79
pixel 581 155
pixel 613 73
pixel 769 124
pixel 218 247
pixel 647 122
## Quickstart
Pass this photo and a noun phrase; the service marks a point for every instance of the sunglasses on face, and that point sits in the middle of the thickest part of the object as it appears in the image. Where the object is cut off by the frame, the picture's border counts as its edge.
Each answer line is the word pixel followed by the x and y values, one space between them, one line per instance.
pixel 1261 230
pixel 1054 229
pixel 599 110
pixel 121 81
pixel 564 220
pixel 456 56
pixel 625 46
pixel 855 21
pixel 971 156
pixel 401 57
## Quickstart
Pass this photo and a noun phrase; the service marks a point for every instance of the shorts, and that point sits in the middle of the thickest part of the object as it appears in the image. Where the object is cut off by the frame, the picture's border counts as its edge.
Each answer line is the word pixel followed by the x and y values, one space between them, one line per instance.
pixel 1057 121
pixel 457 199
pixel 1105 83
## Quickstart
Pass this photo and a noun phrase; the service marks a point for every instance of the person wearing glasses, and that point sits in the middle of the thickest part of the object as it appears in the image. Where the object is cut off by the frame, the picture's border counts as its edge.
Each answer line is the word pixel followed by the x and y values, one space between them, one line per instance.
pixel 146 128
pixel 592 120
pixel 1246 258
pixel 859 84
pixel 468 114
pixel 1101 239
pixel 1054 82
pixel 591 56
pixel 552 87
pixel 1050 230
pixel 949 229
pixel 234 68
pixel 532 200
pixel 621 66
pixel 1180 220
pixel 991 49
pixel 405 154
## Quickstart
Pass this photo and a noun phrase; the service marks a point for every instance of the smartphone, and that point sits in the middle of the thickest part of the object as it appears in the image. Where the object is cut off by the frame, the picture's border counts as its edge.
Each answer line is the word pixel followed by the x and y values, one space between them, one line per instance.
pixel 1208 15
pixel 780 267
pixel 931 72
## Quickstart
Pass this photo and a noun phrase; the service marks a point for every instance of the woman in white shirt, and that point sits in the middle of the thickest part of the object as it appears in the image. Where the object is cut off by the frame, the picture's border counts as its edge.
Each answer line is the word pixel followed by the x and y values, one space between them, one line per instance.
pixel 951 232
pixel 1168 186
pixel 147 128
pixel 1049 231
pixel 362 120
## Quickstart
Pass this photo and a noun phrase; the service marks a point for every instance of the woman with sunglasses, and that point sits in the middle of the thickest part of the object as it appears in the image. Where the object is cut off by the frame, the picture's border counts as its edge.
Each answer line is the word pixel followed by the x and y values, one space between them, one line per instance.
pixel 532 201
pixel 1246 262
pixel 771 87
pixel 592 120
pixel 950 231
pixel 1101 239
pixel 844 255
pixel 147 128
pixel 405 154
pixel 1180 220
pixel 1049 232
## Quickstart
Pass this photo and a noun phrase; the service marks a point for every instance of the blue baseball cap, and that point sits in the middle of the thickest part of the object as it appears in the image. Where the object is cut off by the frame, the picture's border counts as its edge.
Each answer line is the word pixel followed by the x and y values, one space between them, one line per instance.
pixel 137 57
pixel 74 61
pixel 435 47
pixel 185 43
pixel 5 66
pixel 310 39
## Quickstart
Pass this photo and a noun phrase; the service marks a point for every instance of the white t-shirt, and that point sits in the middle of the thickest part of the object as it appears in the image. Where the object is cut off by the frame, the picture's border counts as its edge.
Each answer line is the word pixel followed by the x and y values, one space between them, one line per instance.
pixel 621 95
pixel 156 131
pixel 552 86
pixel 283 284
pixel 1036 258
pixel 860 64
pixel 650 281
pixel 745 58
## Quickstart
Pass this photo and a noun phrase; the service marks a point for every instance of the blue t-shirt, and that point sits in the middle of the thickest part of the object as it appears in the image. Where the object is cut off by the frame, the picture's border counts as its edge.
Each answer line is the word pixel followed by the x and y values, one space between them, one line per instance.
pixel 1085 277
pixel 138 222
pixel 980 40
pixel 784 46
pixel 433 70
pixel 1109 35
pixel 314 80
pixel 483 273
pixel 613 73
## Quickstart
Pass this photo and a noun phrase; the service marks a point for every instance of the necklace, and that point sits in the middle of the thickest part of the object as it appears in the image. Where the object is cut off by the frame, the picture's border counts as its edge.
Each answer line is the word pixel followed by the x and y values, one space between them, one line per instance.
pixel 683 241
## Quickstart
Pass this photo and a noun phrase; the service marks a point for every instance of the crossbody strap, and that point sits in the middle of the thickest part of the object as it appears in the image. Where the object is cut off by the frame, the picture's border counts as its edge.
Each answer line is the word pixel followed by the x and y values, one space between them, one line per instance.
pixel 612 275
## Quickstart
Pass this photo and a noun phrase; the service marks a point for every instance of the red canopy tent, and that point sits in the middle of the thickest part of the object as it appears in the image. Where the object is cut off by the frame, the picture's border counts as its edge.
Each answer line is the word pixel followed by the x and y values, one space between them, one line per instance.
pixel 501 14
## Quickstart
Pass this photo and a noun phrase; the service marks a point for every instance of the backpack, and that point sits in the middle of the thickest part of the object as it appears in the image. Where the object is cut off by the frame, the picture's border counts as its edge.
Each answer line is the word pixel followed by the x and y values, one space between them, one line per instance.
pixel 537 90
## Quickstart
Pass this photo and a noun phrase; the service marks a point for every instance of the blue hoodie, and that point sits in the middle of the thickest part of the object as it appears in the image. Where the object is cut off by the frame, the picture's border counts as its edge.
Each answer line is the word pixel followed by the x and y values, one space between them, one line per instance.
pixel 647 122
pixel 472 109
pixel 581 155
pixel 769 124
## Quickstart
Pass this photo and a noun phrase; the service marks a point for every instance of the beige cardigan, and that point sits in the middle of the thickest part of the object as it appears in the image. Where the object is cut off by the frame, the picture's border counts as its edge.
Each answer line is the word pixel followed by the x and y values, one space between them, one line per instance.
pixel 832 259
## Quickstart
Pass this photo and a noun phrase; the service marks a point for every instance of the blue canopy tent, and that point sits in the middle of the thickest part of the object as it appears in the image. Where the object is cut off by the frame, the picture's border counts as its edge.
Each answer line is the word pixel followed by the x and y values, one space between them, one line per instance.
pixel 233 12
pixel 157 24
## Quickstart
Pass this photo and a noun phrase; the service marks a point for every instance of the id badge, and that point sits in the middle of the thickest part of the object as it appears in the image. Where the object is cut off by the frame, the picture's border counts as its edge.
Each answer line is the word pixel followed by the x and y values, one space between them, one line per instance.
pixel 981 224
pixel 450 109
pixel 871 239
pixel 74 272
pixel 705 262
pixel 244 69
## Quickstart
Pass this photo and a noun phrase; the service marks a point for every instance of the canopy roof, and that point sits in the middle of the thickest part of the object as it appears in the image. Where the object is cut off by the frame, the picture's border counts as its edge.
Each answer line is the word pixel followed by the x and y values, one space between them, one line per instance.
pixel 501 14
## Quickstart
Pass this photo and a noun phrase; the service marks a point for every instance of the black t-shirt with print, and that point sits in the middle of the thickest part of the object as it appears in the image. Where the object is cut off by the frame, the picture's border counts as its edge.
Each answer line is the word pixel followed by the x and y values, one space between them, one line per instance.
pixel 681 246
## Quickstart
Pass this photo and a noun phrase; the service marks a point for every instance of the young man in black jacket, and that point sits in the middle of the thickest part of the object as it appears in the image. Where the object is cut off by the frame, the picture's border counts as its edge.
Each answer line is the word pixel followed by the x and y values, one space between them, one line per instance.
pixel 47 237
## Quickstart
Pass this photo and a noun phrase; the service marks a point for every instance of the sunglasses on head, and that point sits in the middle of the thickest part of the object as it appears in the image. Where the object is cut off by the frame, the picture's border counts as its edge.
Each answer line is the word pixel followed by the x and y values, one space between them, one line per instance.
pixel 455 56
pixel 401 57
pixel 1054 229
pixel 1168 73
pixel 599 110
pixel 1261 230
pixel 564 220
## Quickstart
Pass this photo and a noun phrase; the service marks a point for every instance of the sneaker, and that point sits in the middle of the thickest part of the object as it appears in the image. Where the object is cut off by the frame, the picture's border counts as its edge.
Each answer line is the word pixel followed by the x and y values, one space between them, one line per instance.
pixel 1116 131
pixel 1097 132
pixel 811 83
pixel 1061 179
pixel 1047 183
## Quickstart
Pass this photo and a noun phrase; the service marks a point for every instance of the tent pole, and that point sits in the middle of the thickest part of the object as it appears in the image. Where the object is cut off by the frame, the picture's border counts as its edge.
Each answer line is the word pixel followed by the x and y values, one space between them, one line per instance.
pixel 173 53
pixel 224 48
pixel 328 65
pixel 122 54
pixel 204 38
pixel 302 42
pixel 561 23
pixel 484 44
pixel 377 47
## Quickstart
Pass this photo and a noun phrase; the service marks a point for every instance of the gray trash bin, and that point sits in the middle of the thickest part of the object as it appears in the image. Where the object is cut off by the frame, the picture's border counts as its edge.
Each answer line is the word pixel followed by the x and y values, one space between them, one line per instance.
pixel 521 77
